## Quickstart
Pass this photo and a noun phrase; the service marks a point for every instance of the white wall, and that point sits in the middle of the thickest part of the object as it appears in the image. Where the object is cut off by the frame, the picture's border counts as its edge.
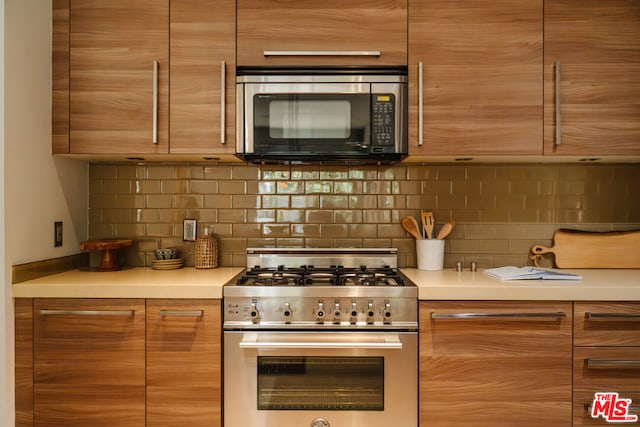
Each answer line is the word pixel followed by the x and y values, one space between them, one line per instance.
pixel 38 188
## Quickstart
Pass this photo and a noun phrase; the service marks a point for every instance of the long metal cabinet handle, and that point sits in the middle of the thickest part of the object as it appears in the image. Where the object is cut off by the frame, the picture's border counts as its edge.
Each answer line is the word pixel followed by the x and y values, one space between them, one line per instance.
pixel 420 104
pixel 223 101
pixel 181 313
pixel 88 312
pixel 611 316
pixel 558 79
pixel 156 66
pixel 321 53
pixel 558 315
pixel 612 364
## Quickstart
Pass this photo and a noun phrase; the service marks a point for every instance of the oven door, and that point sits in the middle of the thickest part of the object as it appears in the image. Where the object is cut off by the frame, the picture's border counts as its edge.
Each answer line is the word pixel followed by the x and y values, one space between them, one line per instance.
pixel 320 379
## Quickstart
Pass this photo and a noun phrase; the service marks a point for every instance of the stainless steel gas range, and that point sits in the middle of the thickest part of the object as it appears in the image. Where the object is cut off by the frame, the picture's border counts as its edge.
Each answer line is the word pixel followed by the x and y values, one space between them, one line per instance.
pixel 320 338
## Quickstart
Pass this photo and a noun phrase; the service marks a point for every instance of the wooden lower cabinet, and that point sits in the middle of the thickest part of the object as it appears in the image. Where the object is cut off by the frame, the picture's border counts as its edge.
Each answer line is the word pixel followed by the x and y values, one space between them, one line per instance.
pixel 118 362
pixel 184 363
pixel 606 359
pixel 89 362
pixel 502 363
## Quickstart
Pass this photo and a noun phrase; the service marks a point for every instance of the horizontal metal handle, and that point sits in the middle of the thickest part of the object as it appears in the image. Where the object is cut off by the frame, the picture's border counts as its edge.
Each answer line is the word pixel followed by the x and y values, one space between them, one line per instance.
pixel 181 313
pixel 611 316
pixel 612 364
pixel 89 312
pixel 321 53
pixel 558 315
pixel 389 343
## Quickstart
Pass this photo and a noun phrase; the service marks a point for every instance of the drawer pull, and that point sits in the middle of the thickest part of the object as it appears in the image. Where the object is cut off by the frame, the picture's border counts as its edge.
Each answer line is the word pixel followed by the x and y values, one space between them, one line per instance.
pixel 321 53
pixel 558 315
pixel 88 312
pixel 181 313
pixel 611 316
pixel 612 364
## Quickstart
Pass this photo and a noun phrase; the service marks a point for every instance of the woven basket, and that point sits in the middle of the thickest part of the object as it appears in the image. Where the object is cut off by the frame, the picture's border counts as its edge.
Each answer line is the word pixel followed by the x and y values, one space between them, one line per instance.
pixel 206 251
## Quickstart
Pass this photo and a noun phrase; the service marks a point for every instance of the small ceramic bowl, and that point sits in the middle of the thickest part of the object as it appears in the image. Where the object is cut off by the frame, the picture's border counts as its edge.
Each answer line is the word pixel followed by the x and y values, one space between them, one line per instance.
pixel 168 253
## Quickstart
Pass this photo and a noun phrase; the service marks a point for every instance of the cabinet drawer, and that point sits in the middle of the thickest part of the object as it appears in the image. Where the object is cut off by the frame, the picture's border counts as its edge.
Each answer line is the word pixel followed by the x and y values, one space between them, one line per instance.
pixel 606 324
pixel 604 369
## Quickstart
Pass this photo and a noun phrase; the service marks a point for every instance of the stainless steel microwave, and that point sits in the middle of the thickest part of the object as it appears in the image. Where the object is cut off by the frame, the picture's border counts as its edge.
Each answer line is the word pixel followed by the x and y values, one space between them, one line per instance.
pixel 321 116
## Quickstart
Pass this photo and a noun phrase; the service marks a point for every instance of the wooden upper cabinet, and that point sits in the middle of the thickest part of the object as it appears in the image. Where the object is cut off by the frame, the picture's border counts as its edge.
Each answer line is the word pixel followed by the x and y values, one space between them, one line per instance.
pixel 596 45
pixel 184 363
pixel 113 47
pixel 89 362
pixel 284 27
pixel 481 80
pixel 202 81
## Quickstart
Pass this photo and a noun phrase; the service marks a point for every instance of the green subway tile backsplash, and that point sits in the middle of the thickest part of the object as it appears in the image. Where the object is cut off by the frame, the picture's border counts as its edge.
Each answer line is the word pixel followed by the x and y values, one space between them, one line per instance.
pixel 500 210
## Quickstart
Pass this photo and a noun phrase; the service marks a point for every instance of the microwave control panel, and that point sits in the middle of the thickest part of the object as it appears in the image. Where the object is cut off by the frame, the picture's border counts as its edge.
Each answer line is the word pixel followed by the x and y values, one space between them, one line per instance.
pixel 383 120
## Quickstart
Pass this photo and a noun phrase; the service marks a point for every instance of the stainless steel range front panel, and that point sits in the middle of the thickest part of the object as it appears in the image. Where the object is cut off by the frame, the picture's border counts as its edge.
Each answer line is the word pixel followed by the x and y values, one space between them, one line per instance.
pixel 320 379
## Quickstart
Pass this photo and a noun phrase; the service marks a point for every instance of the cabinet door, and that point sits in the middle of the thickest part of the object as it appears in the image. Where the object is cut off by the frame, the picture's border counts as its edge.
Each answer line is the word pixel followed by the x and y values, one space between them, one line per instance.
pixel 596 45
pixel 502 364
pixel 89 357
pixel 330 32
pixel 23 309
pixel 475 71
pixel 114 86
pixel 203 35
pixel 184 375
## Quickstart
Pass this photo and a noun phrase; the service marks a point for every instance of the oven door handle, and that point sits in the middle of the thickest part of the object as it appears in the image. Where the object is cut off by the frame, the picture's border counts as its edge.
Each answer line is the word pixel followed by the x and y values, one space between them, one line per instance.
pixel 385 342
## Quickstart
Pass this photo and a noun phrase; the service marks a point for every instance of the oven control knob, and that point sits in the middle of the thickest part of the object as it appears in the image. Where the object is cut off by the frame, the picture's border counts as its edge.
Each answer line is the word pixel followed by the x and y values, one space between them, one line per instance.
pixel 353 314
pixel 287 312
pixel 254 313
pixel 320 422
pixel 386 313
pixel 320 312
pixel 337 313
pixel 370 312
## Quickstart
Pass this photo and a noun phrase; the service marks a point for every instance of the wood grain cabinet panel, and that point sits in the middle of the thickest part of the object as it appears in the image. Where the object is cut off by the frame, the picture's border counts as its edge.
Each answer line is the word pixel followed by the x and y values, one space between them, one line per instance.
pixel 508 364
pixel 481 78
pixel 113 47
pixel 606 356
pixel 202 86
pixel 184 363
pixel 596 44
pixel 23 312
pixel 89 362
pixel 321 26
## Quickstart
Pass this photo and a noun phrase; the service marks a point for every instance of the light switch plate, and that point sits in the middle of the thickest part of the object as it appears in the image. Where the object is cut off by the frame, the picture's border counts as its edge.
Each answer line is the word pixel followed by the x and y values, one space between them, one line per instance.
pixel 189 230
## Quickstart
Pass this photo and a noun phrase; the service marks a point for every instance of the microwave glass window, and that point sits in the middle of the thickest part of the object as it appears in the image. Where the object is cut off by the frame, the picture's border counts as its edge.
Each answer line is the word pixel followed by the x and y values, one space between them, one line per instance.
pixel 320 383
pixel 318 119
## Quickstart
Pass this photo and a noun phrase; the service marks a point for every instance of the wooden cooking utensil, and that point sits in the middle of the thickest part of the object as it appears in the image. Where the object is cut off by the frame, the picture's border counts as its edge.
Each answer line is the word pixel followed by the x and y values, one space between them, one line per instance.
pixel 446 230
pixel 428 223
pixel 410 225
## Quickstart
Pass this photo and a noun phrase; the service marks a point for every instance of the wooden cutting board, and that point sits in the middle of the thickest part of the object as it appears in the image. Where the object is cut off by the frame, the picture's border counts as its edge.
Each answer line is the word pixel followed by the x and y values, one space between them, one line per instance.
pixel 585 249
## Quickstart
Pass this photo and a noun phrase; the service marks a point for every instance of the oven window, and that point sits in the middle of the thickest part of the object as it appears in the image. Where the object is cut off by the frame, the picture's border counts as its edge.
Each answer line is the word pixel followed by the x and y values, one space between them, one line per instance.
pixel 320 119
pixel 321 383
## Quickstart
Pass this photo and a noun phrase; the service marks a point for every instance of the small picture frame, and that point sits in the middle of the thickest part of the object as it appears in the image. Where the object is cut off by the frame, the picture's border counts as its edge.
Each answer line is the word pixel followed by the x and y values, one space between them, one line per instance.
pixel 189 230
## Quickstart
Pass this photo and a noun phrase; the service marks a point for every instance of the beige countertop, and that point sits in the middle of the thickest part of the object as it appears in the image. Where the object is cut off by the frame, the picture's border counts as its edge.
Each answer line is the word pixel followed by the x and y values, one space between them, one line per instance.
pixel 138 282
pixel 597 285
pixel 188 282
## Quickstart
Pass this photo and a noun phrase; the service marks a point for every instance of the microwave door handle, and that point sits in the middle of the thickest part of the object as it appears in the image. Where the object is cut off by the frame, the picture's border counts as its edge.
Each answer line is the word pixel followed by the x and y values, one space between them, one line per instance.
pixel 390 342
